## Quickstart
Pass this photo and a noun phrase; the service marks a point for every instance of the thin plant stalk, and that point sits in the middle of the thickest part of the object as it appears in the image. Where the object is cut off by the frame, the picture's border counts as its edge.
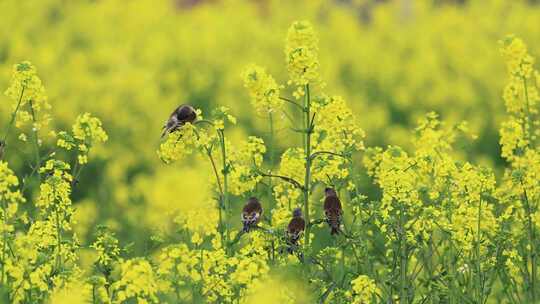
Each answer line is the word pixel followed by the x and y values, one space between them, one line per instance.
pixel 12 120
pixel 271 154
pixel 532 241
pixel 528 211
pixel 59 236
pixel 478 265
pixel 221 194
pixel 36 139
pixel 4 241
pixel 307 149
pixel 404 297
pixel 225 172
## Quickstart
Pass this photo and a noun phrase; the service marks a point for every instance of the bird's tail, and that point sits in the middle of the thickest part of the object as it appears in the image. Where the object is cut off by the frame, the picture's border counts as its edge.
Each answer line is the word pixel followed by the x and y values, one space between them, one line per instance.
pixel 246 227
pixel 334 226
pixel 292 245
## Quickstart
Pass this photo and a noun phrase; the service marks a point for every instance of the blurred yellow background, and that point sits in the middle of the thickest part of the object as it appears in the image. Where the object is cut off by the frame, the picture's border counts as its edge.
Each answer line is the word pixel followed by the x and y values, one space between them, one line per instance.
pixel 132 62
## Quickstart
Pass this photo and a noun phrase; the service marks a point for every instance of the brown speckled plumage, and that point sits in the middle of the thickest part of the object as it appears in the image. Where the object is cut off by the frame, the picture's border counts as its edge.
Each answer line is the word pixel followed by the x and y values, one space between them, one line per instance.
pixel 295 229
pixel 179 117
pixel 333 211
pixel 251 213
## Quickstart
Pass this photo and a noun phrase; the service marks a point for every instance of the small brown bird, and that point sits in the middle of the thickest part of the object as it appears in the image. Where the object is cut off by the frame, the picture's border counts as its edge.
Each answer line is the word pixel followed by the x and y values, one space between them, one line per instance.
pixel 182 115
pixel 251 214
pixel 333 210
pixel 295 229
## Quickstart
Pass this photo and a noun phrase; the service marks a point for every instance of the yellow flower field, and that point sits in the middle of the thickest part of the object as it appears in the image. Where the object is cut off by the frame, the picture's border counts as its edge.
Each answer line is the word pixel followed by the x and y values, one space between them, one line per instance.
pixel 264 151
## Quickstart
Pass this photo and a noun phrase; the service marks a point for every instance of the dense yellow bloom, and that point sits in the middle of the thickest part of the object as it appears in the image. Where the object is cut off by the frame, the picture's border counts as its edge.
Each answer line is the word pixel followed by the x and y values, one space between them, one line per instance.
pixel 86 131
pixel 434 226
pixel 364 290
pixel 301 52
pixel 10 198
pixel 275 290
pixel 221 116
pixel 263 89
pixel 137 282
pixel 178 144
pixel 73 293
pixel 201 221
pixel 519 62
pixel 55 192
pixel 415 187
pixel 521 97
pixel 26 89
pixel 337 132
pixel 107 248
pixel 243 158
pixel 287 196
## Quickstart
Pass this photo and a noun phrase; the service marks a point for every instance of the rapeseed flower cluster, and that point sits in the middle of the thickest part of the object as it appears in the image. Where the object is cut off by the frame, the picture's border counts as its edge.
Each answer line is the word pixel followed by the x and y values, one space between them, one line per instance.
pixel 301 53
pixel 86 131
pixel 263 89
pixel 519 191
pixel 27 92
pixel 137 281
pixel 364 290
pixel 434 227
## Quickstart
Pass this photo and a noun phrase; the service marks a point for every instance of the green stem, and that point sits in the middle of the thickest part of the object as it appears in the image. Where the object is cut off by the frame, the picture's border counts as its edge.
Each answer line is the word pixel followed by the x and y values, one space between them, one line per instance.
pixel 531 230
pixel 36 140
pixel 58 236
pixel 404 298
pixel 291 102
pixel 532 244
pixel 478 266
pixel 176 287
pixel 4 241
pixel 527 110
pixel 307 150
pixel 225 173
pixel 221 195
pixel 271 155
pixel 12 120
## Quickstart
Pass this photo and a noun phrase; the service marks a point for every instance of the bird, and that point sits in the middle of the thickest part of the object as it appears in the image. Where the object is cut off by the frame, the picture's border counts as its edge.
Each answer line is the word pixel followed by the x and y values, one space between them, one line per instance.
pixel 251 214
pixel 332 210
pixel 179 117
pixel 295 229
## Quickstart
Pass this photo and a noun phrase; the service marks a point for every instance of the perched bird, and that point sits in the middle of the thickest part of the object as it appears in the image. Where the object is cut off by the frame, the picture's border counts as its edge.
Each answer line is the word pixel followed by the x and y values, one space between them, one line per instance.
pixel 295 229
pixel 332 210
pixel 182 115
pixel 251 214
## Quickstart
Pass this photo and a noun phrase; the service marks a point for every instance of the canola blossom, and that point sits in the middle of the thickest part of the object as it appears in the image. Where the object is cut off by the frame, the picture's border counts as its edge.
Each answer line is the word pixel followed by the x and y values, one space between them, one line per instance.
pixel 92 213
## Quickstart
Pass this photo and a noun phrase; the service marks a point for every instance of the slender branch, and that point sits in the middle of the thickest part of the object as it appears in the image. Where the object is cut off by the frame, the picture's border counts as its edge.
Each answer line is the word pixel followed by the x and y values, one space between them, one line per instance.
pixel 307 150
pixel 478 238
pixel 292 102
pixel 285 178
pixel 271 155
pixel 214 167
pixel 4 240
pixel 289 117
pixel 200 121
pixel 221 195
pixel 314 155
pixel 532 241
pixel 225 173
pixel 316 222
pixel 59 244
pixel 11 121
